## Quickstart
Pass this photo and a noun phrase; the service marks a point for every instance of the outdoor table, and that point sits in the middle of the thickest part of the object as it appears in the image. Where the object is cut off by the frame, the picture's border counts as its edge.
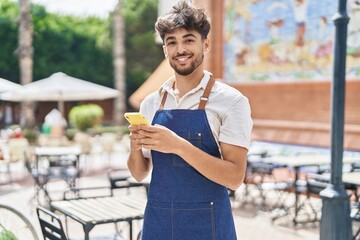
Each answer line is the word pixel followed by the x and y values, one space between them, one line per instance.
pixel 54 154
pixel 90 212
pixel 351 178
pixel 57 162
pixel 57 151
pixel 306 160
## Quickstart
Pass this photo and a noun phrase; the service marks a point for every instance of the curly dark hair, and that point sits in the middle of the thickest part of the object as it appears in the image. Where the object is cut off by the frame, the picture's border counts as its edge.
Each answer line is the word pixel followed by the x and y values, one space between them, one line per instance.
pixel 183 15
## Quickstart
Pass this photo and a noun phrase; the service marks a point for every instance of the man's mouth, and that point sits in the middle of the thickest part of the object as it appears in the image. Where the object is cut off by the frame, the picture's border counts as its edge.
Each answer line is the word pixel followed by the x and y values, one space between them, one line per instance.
pixel 182 59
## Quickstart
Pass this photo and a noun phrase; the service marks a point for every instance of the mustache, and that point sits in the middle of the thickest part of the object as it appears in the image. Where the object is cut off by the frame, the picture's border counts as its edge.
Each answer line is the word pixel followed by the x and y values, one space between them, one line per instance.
pixel 182 54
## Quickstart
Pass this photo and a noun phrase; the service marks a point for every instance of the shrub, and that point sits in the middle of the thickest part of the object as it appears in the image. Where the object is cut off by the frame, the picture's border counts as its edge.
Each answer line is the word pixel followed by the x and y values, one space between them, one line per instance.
pixel 86 116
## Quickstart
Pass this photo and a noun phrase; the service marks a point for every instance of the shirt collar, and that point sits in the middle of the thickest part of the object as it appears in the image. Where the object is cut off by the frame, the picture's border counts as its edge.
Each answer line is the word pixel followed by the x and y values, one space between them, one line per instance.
pixel 167 86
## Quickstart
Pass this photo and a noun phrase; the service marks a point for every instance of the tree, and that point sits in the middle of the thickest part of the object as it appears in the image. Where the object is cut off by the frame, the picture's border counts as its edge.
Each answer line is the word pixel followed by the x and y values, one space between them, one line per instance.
pixel 25 54
pixel 119 64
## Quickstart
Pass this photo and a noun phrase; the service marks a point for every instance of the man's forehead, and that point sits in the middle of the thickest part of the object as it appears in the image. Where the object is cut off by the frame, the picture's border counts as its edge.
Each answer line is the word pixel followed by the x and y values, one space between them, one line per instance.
pixel 181 33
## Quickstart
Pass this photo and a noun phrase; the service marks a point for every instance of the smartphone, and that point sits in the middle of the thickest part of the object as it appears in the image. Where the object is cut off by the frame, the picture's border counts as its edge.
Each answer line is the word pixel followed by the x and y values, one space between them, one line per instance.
pixel 136 118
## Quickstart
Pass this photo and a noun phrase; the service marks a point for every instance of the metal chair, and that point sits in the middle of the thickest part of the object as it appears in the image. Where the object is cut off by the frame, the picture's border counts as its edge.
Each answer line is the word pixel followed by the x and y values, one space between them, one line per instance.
pixel 315 183
pixel 61 169
pixel 40 178
pixel 51 226
pixel 355 217
pixel 260 175
pixel 119 179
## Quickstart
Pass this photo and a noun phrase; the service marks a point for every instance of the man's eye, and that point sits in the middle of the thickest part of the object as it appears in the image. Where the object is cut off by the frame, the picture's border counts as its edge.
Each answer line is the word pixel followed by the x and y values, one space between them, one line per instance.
pixel 170 43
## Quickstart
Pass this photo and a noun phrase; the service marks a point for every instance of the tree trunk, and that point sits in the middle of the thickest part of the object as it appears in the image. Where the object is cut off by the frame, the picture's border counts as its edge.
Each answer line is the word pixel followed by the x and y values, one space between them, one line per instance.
pixel 25 54
pixel 119 65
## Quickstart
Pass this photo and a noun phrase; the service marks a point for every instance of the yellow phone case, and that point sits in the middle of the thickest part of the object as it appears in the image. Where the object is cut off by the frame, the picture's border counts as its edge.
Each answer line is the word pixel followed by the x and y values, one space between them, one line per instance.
pixel 136 118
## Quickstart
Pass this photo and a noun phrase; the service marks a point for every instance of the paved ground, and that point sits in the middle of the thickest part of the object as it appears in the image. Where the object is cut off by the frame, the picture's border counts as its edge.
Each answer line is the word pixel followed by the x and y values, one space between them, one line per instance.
pixel 251 224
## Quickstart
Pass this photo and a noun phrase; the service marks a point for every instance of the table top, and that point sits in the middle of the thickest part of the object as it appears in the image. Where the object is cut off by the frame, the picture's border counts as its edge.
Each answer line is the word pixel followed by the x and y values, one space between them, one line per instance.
pixel 352 178
pixel 56 151
pixel 101 210
pixel 308 160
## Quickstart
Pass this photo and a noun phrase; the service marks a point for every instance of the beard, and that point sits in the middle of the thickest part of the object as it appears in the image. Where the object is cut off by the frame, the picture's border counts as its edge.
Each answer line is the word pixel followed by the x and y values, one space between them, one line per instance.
pixel 184 71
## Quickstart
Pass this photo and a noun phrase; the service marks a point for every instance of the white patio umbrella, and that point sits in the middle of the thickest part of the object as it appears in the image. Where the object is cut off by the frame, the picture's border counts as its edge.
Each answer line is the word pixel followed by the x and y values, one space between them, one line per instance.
pixel 60 87
pixel 6 85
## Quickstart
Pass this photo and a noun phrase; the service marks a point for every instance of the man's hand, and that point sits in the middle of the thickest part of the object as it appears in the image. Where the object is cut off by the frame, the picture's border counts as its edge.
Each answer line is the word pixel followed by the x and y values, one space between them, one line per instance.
pixel 158 138
pixel 135 138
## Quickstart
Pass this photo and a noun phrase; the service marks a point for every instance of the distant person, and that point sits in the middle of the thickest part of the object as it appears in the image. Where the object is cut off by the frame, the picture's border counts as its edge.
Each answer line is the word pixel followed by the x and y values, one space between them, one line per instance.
pixel 300 8
pixel 199 138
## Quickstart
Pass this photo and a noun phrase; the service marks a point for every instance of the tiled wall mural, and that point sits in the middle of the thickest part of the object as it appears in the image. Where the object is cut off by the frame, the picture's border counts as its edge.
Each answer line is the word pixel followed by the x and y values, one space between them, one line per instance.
pixel 286 40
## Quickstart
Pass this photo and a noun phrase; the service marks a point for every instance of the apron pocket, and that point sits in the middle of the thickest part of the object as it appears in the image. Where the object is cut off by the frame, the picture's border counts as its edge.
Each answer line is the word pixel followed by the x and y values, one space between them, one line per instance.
pixel 157 223
pixel 194 221
pixel 195 139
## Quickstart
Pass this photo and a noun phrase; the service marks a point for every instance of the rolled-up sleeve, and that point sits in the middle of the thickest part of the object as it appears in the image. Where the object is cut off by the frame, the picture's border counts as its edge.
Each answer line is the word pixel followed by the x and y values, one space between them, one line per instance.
pixel 237 124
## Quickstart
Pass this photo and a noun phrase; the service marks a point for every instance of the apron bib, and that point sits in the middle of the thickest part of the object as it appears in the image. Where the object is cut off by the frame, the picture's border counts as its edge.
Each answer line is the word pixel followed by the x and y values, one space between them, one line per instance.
pixel 182 203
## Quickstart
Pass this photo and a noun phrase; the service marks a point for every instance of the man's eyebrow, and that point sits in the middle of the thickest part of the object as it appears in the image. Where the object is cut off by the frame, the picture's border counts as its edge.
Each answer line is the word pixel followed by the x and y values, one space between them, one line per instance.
pixel 170 38
pixel 185 36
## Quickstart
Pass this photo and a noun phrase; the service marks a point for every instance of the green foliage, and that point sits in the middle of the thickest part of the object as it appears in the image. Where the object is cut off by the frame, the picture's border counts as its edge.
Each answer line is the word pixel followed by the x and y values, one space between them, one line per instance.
pixel 86 116
pixel 6 234
pixel 70 133
pixel 32 135
pixel 82 46
pixel 118 130
pixel 9 12
pixel 143 55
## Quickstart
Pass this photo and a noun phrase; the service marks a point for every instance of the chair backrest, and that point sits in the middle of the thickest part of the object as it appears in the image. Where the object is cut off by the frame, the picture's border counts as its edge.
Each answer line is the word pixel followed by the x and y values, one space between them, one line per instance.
pixel 261 168
pixel 316 183
pixel 355 167
pixel 51 226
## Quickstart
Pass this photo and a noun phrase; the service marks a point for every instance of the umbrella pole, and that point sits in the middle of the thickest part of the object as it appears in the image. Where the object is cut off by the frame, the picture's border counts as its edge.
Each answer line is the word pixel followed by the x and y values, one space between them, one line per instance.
pixel 61 107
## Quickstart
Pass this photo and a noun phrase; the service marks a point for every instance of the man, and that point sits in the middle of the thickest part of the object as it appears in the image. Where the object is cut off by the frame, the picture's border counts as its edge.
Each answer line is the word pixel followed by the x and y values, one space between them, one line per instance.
pixel 198 140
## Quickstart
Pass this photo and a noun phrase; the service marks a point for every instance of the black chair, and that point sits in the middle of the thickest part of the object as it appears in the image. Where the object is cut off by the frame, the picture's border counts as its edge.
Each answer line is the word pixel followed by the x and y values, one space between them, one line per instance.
pixel 355 217
pixel 119 179
pixel 40 179
pixel 261 175
pixel 51 226
pixel 65 169
pixel 315 183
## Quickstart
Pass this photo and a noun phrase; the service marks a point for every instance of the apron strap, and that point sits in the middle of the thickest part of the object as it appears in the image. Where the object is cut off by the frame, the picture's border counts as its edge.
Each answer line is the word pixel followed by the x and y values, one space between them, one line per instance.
pixel 203 99
pixel 163 100
pixel 162 104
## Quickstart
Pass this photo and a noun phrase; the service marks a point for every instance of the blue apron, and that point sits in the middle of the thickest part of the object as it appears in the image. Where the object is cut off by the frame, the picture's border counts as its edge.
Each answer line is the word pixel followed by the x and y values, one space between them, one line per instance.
pixel 182 203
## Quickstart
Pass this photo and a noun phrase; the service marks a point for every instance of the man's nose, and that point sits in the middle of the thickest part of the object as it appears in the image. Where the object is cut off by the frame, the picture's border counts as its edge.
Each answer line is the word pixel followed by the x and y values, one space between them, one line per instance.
pixel 181 48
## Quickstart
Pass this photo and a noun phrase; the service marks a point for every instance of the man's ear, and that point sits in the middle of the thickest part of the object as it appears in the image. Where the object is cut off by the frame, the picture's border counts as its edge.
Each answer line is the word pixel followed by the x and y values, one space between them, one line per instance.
pixel 165 51
pixel 206 45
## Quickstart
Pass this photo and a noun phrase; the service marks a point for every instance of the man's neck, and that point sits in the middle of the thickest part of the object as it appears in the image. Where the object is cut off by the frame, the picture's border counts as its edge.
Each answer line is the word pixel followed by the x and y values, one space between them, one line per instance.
pixel 185 83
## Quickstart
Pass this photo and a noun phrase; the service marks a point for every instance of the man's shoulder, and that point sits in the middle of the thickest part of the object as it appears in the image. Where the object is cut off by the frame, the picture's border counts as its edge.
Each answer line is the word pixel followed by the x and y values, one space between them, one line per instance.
pixel 224 90
pixel 154 96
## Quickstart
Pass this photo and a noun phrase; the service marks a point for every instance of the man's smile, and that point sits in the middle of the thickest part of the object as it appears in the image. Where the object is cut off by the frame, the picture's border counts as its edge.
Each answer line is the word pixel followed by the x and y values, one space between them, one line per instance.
pixel 183 59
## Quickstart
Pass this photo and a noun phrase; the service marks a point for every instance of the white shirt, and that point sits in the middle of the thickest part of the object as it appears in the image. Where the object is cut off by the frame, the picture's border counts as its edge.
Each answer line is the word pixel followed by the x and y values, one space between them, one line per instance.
pixel 227 110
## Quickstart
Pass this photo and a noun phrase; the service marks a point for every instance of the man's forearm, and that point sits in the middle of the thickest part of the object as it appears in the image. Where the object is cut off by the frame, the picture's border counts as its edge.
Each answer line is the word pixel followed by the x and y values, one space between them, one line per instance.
pixel 138 165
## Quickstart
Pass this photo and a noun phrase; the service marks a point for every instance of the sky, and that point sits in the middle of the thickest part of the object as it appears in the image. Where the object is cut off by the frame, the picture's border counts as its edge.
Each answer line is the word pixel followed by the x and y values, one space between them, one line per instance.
pixel 98 8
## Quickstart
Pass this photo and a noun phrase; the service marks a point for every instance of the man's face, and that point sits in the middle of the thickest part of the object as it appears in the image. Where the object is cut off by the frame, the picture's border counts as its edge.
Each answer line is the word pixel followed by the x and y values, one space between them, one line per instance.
pixel 185 50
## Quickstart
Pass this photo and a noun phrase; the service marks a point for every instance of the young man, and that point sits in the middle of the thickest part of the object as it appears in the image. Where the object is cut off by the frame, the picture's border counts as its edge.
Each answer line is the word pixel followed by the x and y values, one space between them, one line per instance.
pixel 197 145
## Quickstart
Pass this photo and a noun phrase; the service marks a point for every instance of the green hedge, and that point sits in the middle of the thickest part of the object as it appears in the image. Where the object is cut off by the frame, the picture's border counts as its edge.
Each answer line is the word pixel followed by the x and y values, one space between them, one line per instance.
pixel 82 46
